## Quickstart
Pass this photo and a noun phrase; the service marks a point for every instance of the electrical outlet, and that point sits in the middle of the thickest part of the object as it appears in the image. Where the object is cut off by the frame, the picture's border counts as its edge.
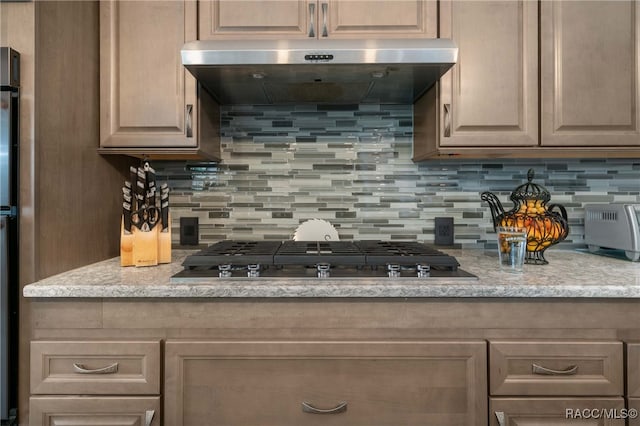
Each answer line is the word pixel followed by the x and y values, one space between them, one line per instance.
pixel 189 231
pixel 443 231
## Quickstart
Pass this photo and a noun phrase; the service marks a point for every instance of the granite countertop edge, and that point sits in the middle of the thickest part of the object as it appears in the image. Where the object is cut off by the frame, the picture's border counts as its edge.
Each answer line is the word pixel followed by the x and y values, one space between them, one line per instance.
pixel 570 274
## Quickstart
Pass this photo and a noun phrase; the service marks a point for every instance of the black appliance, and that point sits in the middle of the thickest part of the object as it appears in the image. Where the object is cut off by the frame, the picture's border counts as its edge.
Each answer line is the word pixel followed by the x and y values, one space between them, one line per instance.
pixel 9 102
pixel 321 259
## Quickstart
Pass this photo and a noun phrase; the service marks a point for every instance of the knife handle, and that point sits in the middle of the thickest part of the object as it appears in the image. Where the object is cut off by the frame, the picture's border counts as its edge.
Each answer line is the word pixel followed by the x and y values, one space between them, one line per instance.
pixel 126 214
pixel 164 212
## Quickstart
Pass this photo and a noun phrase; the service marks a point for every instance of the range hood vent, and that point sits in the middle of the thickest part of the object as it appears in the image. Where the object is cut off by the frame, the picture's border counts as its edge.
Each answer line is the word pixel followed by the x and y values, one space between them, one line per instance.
pixel 316 71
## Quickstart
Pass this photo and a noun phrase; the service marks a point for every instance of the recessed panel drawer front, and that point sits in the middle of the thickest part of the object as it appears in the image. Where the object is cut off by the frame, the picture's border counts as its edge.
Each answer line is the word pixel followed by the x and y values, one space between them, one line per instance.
pixel 94 411
pixel 563 368
pixel 95 367
pixel 634 409
pixel 557 411
pixel 633 369
pixel 325 383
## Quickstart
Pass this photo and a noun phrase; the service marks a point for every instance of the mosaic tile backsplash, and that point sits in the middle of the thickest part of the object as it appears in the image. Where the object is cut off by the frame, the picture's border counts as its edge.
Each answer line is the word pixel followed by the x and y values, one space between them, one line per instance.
pixel 351 165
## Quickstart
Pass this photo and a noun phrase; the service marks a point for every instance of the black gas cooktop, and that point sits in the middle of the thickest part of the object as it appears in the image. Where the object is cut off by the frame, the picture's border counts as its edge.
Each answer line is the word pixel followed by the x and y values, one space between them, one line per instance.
pixel 335 259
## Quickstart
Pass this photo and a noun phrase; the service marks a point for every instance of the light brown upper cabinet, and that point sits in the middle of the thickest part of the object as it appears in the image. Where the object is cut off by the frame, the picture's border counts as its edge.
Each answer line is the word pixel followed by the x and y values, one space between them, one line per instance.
pixel 490 97
pixel 277 19
pixel 149 103
pixel 589 65
pixel 495 103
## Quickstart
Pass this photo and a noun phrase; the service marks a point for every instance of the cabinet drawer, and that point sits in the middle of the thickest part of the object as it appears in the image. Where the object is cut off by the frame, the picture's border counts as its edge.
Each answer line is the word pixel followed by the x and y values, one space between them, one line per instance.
pixel 95 367
pixel 556 411
pixel 94 411
pixel 633 369
pixel 359 383
pixel 555 368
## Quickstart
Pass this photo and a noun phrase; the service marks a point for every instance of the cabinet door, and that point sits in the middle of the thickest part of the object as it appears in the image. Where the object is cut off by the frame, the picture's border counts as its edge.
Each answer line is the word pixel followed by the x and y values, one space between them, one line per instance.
pixel 556 411
pixel 634 409
pixel 350 383
pixel 311 18
pixel 377 19
pixel 147 98
pixel 490 97
pixel 259 19
pixel 94 411
pixel 589 64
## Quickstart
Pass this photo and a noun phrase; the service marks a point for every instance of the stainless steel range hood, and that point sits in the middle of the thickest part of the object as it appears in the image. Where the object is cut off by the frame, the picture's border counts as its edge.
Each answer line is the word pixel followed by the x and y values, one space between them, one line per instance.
pixel 318 71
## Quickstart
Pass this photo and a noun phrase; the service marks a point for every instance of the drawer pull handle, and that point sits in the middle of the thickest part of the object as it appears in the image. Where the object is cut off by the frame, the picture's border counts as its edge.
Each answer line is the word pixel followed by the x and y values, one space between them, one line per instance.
pixel 81 369
pixel 324 19
pixel 189 120
pixel 312 19
pixel 148 417
pixel 543 371
pixel 447 120
pixel 340 408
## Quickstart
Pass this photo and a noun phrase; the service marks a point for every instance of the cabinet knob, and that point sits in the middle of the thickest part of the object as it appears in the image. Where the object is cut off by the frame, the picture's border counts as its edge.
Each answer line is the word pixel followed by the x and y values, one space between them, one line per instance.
pixel 500 418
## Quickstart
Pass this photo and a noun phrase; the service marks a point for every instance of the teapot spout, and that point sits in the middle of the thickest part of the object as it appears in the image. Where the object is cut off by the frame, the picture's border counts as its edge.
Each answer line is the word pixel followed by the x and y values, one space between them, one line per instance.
pixel 495 205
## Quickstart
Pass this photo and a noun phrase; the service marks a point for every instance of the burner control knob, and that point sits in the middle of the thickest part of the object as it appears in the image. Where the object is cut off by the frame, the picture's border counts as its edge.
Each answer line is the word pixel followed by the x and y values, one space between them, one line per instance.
pixel 323 270
pixel 394 271
pixel 424 271
pixel 225 271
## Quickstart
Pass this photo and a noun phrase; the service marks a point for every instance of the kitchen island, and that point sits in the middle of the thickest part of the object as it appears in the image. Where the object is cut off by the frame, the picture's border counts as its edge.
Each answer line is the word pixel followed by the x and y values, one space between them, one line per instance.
pixel 110 341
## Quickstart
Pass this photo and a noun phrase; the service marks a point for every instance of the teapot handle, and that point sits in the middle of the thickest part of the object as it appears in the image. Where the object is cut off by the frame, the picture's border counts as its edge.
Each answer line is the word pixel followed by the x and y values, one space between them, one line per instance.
pixel 494 205
pixel 563 211
pixel 565 219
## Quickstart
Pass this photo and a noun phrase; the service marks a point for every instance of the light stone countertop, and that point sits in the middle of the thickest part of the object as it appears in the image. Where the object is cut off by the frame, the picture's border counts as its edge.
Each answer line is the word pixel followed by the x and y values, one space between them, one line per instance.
pixel 569 274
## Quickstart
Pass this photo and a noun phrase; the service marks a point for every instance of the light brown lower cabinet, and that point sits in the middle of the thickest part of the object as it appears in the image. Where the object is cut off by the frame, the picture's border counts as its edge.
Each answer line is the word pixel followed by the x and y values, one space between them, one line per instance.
pixel 556 411
pixel 325 383
pixel 94 411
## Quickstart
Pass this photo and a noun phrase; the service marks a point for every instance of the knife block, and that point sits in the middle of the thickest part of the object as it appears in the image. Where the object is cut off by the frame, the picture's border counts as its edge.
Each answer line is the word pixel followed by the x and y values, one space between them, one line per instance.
pixel 138 248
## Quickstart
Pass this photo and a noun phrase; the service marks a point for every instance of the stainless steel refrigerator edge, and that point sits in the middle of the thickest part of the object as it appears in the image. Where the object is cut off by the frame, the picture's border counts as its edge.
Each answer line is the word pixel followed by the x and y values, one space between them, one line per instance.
pixel 9 103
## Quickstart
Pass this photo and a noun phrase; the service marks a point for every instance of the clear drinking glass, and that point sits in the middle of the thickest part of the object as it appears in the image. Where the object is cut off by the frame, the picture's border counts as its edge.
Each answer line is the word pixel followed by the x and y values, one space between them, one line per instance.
pixel 512 247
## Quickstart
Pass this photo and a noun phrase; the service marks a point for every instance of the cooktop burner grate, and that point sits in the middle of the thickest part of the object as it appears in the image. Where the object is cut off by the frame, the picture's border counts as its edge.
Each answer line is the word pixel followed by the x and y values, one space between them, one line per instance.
pixel 314 252
pixel 404 253
pixel 281 255
pixel 239 253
